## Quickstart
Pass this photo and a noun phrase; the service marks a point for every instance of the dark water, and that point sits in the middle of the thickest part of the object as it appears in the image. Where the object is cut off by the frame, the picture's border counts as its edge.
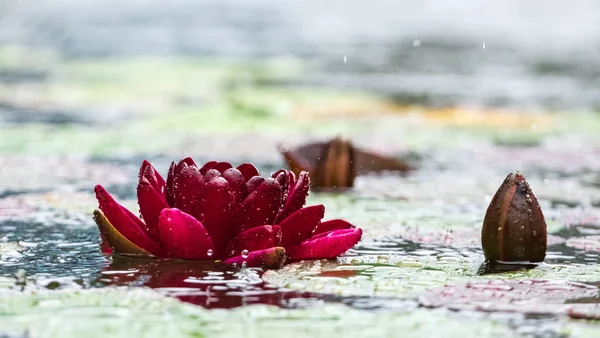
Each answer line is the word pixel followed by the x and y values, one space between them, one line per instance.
pixel 538 54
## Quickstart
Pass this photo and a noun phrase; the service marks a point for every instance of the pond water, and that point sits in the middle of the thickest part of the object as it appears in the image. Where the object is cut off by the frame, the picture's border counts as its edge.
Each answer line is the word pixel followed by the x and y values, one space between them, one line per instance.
pixel 85 97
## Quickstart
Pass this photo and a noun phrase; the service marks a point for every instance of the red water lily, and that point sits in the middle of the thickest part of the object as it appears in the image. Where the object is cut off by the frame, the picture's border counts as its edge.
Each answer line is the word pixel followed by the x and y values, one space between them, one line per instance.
pixel 223 213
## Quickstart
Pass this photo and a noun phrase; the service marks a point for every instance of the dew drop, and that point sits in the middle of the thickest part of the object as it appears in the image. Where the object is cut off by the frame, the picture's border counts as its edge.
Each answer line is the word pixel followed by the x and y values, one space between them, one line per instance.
pixel 244 253
pixel 209 252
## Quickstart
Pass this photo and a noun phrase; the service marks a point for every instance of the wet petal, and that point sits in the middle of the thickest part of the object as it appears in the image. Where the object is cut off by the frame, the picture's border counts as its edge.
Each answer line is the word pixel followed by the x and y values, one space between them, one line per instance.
pixel 282 178
pixel 261 206
pixel 237 184
pixel 174 170
pixel 115 240
pixel 187 185
pixel 334 224
pixel 207 166
pixel 126 223
pixel 182 236
pixel 210 174
pixel 151 204
pixel 272 258
pixel 222 166
pixel 300 225
pixel 170 188
pixel 254 239
pixel 248 170
pixel 296 197
pixel 326 245
pixel 254 183
pixel 148 172
pixel 217 211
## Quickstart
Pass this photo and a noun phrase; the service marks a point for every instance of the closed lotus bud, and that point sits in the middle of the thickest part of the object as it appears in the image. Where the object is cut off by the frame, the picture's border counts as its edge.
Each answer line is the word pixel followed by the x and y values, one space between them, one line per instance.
pixel 514 229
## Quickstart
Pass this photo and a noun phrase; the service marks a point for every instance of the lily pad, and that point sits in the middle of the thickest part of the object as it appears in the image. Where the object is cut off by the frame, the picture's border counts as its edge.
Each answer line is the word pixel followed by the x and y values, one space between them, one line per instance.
pixel 529 296
pixel 138 312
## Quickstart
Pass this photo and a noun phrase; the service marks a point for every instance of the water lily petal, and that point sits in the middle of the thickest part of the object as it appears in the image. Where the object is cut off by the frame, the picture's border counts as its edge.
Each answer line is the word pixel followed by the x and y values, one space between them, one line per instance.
pixel 248 170
pixel 334 224
pixel 151 203
pixel 329 244
pixel 254 239
pixel 300 225
pixel 207 166
pixel 126 223
pixel 254 182
pixel 113 240
pixel 216 210
pixel 174 170
pixel 262 205
pixel 296 197
pixel 182 236
pixel 272 258
pixel 281 176
pixel 237 183
pixel 222 166
pixel 210 174
pixel 153 176
pixel 187 185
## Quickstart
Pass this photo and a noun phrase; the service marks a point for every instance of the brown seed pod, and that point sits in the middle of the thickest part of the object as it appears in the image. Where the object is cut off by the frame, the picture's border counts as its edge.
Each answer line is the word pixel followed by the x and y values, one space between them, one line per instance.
pixel 514 229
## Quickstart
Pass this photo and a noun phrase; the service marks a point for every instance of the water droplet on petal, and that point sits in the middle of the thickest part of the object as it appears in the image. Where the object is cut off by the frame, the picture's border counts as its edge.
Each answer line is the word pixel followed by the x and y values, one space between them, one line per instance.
pixel 244 253
pixel 209 252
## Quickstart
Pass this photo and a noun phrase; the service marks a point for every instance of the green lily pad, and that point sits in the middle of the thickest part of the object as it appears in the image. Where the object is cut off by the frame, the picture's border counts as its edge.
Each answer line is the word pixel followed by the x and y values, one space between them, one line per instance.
pixel 123 312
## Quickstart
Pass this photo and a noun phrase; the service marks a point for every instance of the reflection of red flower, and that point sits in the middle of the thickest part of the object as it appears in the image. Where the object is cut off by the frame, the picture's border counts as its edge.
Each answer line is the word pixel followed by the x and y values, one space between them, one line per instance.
pixel 223 213
pixel 204 283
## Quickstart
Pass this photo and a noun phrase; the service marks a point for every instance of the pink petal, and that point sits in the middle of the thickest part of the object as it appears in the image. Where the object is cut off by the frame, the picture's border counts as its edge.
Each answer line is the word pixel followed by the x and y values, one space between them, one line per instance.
pixel 326 245
pixel 300 225
pixel 257 238
pixel 187 185
pixel 216 210
pixel 282 178
pixel 296 196
pixel 149 172
pixel 248 170
pixel 126 223
pixel 254 183
pixel 151 204
pixel 207 166
pixel 237 183
pixel 174 170
pixel 261 206
pixel 272 258
pixel 334 224
pixel 182 236
pixel 210 174
pixel 222 166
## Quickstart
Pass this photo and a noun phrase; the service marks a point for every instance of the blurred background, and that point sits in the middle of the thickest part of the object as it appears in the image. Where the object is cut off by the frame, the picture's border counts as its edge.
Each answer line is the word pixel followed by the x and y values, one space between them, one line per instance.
pixel 118 81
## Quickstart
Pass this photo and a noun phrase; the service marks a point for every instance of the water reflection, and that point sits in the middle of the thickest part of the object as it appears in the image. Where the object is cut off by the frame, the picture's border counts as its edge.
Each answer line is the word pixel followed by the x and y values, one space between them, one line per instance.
pixel 208 284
